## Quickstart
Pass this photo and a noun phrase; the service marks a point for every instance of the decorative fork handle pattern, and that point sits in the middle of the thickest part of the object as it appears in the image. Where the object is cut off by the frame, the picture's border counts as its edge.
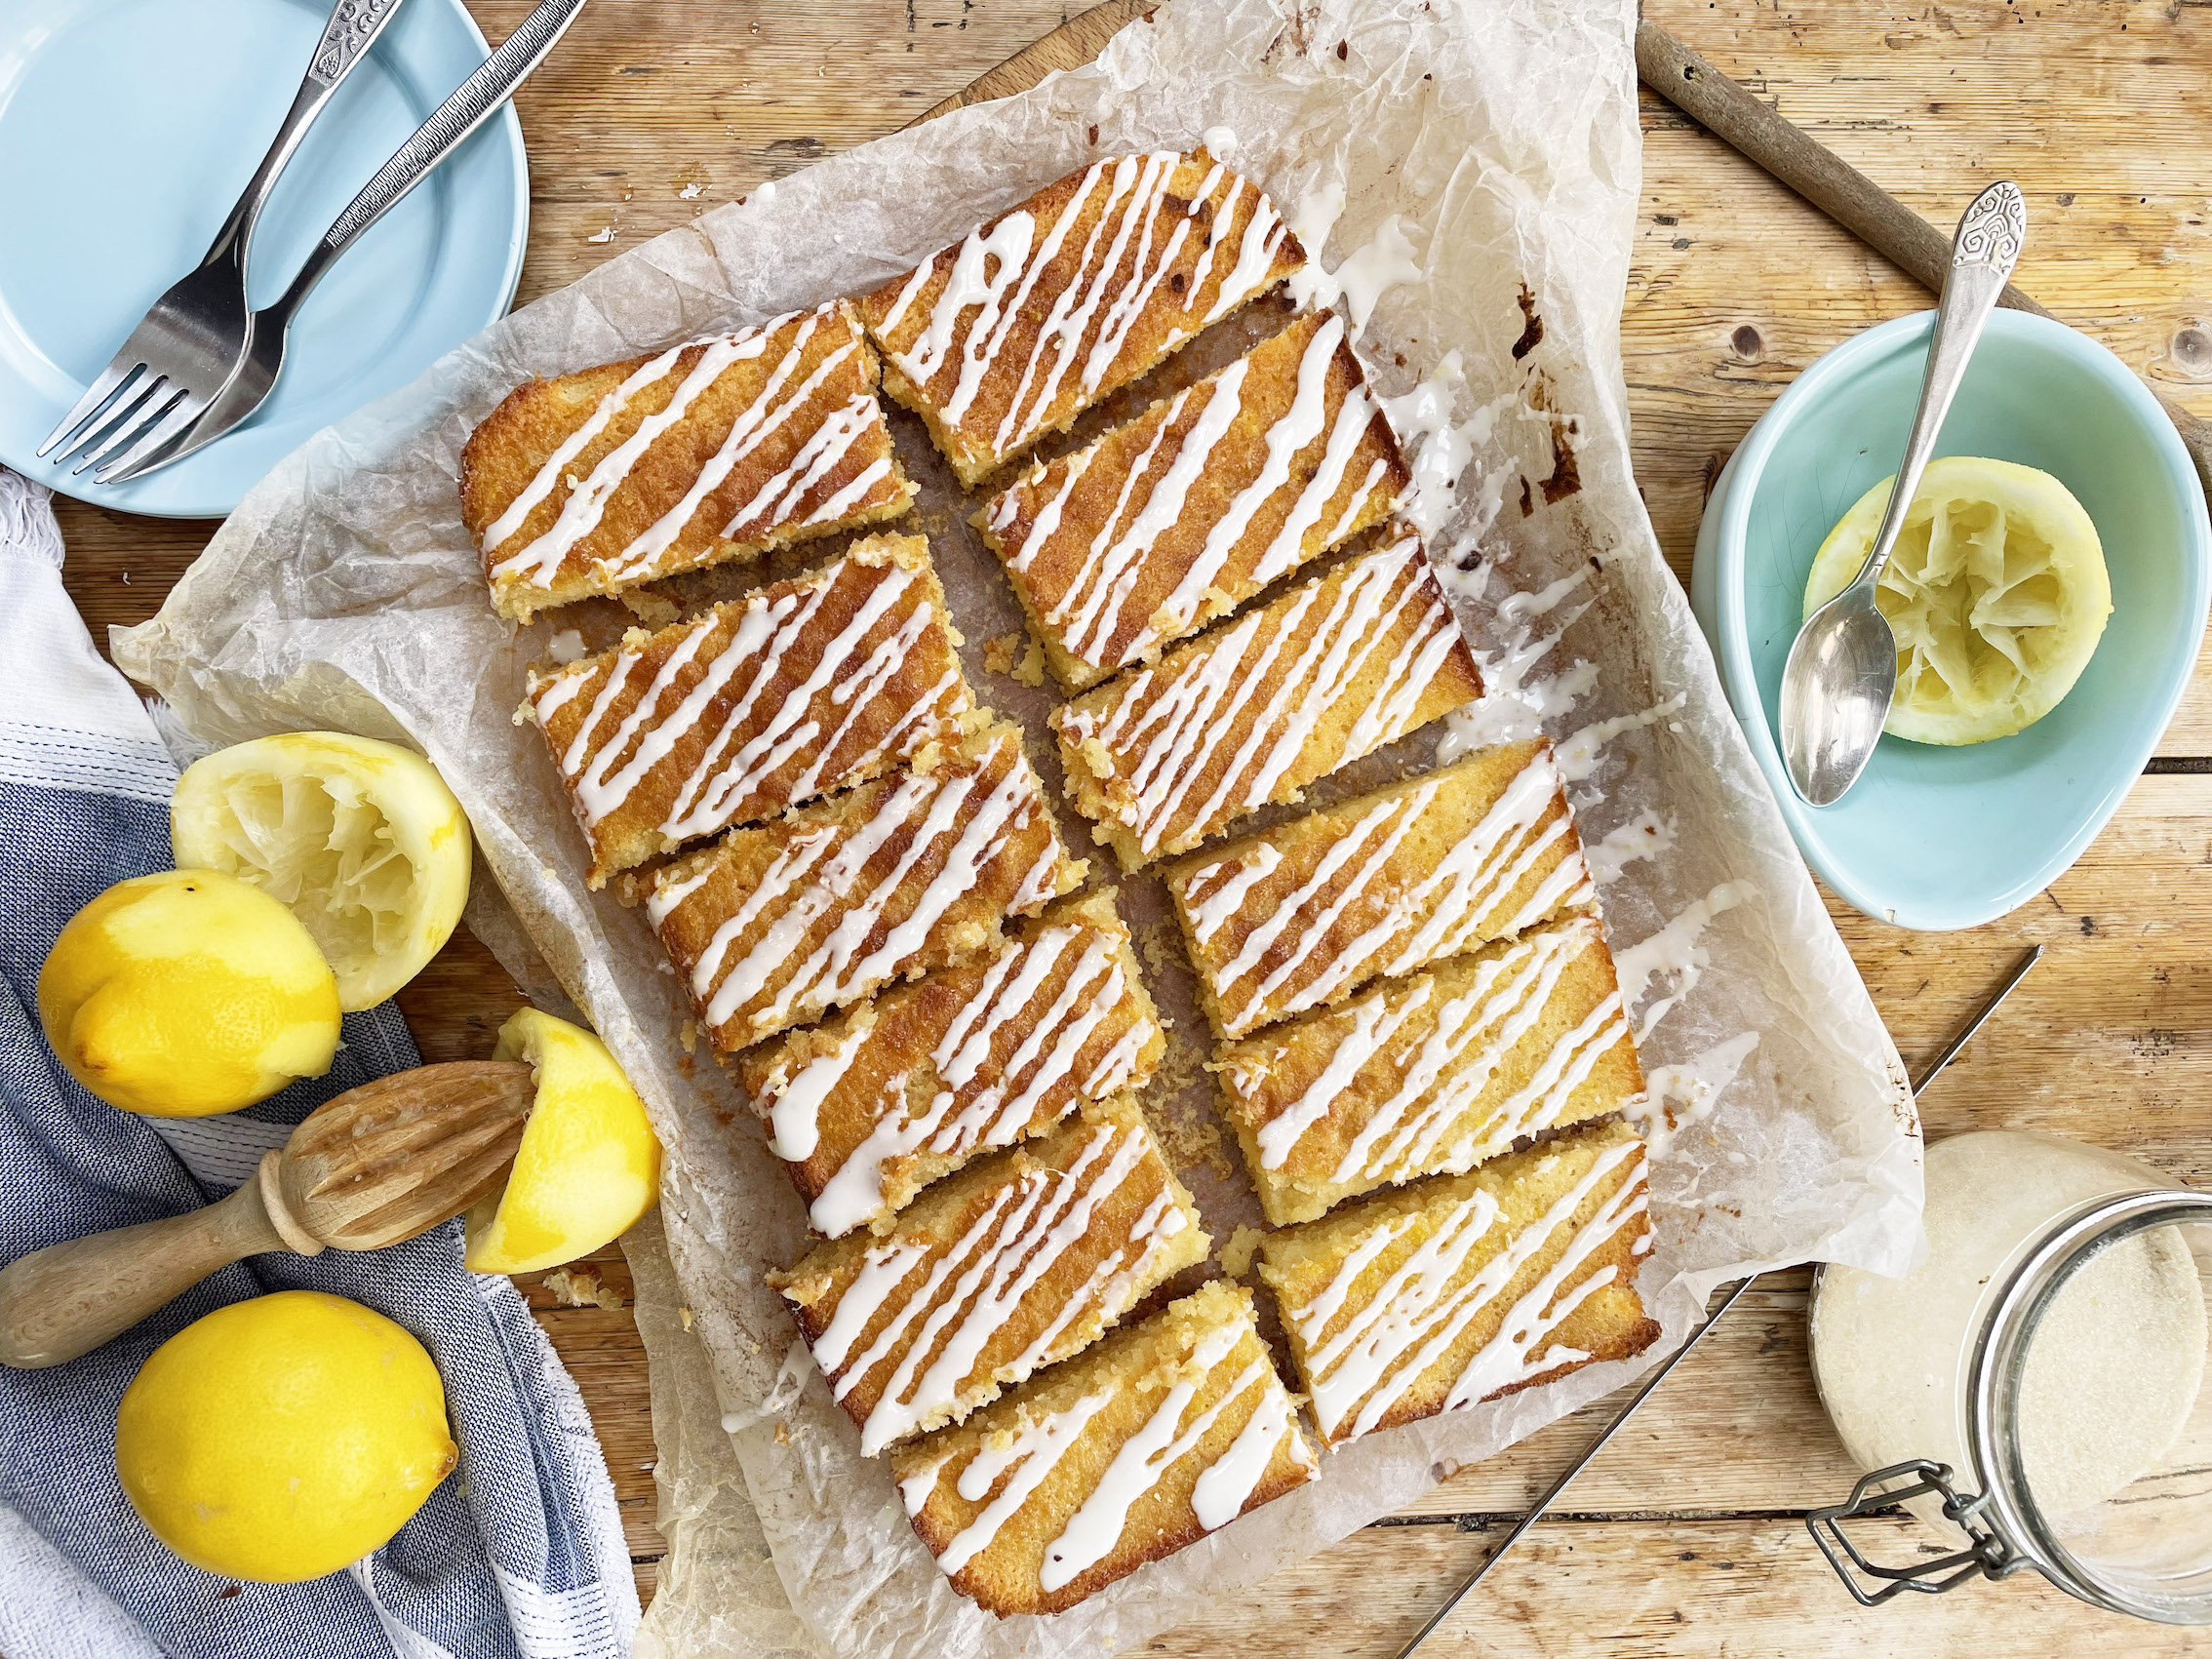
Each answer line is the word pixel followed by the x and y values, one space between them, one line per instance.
pixel 352 29
pixel 475 98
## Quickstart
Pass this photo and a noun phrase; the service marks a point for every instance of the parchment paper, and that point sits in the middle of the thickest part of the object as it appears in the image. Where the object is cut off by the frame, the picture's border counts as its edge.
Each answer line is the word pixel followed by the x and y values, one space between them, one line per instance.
pixel 1490 152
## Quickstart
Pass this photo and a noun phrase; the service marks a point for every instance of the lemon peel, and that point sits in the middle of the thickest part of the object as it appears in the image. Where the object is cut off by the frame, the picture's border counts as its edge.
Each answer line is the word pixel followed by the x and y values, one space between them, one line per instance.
pixel 362 839
pixel 1997 594
pixel 186 993
pixel 282 1437
pixel 589 1164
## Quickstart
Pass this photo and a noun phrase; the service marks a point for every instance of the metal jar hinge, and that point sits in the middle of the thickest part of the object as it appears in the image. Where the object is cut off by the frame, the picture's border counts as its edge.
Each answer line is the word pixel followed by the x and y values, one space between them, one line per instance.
pixel 1986 1554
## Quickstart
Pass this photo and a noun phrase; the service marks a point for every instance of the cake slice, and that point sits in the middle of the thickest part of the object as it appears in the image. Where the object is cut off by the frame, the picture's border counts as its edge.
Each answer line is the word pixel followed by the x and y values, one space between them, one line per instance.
pixel 719 450
pixel 1156 1437
pixel 1249 715
pixel 811 685
pixel 1018 1260
pixel 1306 913
pixel 1432 1074
pixel 1192 507
pixel 1011 333
pixel 868 1108
pixel 771 927
pixel 1457 1291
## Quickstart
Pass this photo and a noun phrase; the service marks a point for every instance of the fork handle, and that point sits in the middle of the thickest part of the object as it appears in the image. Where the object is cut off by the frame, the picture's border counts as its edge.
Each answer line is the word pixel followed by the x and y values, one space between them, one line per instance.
pixel 67 1299
pixel 453 120
pixel 352 28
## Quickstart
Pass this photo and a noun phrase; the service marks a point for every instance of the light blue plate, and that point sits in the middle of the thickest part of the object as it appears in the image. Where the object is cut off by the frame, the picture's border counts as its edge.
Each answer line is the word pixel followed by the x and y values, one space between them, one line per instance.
pixel 1941 837
pixel 127 130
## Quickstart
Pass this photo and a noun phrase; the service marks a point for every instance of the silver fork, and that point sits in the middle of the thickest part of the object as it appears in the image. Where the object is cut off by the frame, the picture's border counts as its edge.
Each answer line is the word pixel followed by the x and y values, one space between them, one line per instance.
pixel 259 364
pixel 184 347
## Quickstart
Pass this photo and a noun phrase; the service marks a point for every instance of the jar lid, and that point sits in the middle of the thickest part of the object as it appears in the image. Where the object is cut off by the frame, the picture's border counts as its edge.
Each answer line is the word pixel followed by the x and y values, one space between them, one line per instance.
pixel 2091 1425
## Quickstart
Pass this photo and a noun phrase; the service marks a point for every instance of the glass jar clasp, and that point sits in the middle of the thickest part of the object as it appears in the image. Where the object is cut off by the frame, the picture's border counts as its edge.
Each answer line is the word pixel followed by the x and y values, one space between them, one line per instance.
pixel 1987 1554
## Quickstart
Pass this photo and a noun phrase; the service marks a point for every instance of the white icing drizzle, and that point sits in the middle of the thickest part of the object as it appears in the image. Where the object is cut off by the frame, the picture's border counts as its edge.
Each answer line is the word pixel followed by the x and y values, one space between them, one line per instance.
pixel 1001 275
pixel 1031 1454
pixel 767 721
pixel 1645 836
pixel 1578 754
pixel 1163 1441
pixel 1463 1039
pixel 779 497
pixel 1413 1319
pixel 1449 908
pixel 1310 655
pixel 981 1101
pixel 1226 1486
pixel 943 1306
pixel 1675 949
pixel 1681 1096
pixel 963 816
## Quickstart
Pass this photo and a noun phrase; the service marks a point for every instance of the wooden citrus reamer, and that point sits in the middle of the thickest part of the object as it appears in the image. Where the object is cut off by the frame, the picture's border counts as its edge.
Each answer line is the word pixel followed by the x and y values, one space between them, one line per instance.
pixel 377 1165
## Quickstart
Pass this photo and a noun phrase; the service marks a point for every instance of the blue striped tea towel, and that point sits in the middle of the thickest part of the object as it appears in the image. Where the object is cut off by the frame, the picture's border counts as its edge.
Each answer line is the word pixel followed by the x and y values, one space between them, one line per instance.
pixel 520 1551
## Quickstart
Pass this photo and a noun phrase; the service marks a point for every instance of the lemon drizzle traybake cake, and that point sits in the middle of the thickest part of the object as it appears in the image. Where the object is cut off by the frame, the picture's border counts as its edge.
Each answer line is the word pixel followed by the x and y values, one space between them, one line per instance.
pixel 866 1108
pixel 1432 1074
pixel 600 480
pixel 1304 913
pixel 1162 1434
pixel 1020 1259
pixel 1190 509
pixel 1465 1287
pixel 804 687
pixel 772 925
pixel 1250 714
pixel 1010 333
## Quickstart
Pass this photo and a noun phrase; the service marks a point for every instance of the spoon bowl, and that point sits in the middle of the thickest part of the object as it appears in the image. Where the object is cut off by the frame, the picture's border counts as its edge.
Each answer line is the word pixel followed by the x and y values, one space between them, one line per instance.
pixel 1836 693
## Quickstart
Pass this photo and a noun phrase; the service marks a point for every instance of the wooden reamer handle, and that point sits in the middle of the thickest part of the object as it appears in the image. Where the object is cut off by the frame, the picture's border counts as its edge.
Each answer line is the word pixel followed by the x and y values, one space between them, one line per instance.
pixel 70 1299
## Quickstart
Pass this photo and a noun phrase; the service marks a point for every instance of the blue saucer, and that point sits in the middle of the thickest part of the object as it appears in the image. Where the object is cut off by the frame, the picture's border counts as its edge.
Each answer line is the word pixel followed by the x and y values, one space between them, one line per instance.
pixel 127 130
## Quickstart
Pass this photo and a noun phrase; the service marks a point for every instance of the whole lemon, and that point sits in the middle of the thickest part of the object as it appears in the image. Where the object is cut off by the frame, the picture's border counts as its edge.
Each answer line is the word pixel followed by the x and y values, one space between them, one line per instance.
pixel 284 1438
pixel 589 1164
pixel 186 993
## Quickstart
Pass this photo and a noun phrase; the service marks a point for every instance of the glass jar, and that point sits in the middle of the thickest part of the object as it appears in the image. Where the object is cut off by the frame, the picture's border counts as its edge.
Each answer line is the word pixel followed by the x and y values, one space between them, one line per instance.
pixel 2035 1388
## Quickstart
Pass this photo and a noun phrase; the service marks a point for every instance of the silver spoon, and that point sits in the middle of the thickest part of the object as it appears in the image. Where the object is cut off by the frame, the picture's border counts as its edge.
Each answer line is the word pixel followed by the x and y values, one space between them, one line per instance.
pixel 1842 669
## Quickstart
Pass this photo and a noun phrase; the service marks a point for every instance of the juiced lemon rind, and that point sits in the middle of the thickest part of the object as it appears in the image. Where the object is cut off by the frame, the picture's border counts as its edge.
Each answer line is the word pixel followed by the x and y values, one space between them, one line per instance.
pixel 589 1164
pixel 362 839
pixel 1997 594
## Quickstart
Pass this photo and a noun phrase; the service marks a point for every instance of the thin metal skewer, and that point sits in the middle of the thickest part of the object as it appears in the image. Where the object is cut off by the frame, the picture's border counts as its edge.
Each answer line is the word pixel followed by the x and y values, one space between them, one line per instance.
pixel 1928 1075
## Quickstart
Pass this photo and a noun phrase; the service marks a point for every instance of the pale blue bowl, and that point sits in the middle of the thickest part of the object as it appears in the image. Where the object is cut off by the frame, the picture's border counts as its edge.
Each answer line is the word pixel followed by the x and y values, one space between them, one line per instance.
pixel 1941 837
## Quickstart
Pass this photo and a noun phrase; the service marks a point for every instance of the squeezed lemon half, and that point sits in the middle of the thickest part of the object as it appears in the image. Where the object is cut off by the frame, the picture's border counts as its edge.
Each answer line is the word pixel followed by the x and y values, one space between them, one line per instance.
pixel 362 840
pixel 1997 592
pixel 589 1164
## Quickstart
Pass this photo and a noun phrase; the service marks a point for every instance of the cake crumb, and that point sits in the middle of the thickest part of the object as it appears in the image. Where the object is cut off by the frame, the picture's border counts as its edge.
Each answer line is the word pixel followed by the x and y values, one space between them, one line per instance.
pixel 655 610
pixel 581 1287
pixel 1237 1254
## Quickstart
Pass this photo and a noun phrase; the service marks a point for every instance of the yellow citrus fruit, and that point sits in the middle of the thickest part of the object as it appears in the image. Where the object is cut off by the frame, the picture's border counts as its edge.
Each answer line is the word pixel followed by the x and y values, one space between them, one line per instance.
pixel 284 1438
pixel 1998 595
pixel 589 1164
pixel 186 993
pixel 363 839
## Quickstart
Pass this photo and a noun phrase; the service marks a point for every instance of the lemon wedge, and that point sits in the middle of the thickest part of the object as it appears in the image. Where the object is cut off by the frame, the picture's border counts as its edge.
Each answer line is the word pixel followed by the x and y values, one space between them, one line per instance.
pixel 1997 592
pixel 363 839
pixel 589 1164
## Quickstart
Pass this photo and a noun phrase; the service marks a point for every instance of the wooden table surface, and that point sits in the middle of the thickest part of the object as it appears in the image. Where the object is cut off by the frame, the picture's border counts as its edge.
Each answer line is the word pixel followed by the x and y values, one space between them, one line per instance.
pixel 1686 1536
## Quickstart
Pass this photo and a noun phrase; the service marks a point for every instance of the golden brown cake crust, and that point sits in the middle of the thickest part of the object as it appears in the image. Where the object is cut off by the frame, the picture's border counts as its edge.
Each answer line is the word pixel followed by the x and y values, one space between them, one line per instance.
pixel 805 686
pixel 777 438
pixel 1432 1074
pixel 1167 756
pixel 772 925
pixel 1247 1452
pixel 1020 1259
pixel 1007 335
pixel 1303 915
pixel 913 1084
pixel 1452 1291
pixel 1206 498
